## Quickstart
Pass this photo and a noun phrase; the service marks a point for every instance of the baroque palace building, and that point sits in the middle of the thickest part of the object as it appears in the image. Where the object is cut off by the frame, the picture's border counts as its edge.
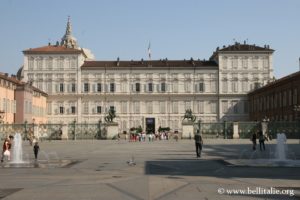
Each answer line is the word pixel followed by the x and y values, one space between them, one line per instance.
pixel 149 93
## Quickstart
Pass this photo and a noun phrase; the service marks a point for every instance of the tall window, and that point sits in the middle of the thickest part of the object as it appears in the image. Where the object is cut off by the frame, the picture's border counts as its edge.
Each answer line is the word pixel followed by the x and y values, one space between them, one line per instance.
pixel 124 107
pixel 39 63
pixel 162 107
pixel 213 86
pixel 99 87
pixel 112 87
pixel 61 110
pixel 201 87
pixel 201 107
pixel 61 87
pixel 225 86
pixel 73 62
pixel 150 87
pixel 187 105
pixel 225 60
pixel 149 105
pixel 175 107
pixel 213 107
pixel 73 109
pixel 224 106
pixel 60 63
pixel 73 87
pixel 245 85
pixel 163 87
pixel 99 110
pixel 85 107
pixel 235 86
pixel 30 63
pixel 187 86
pixel 137 87
pixel 49 63
pixel 86 87
pixel 235 62
pixel 245 62
pixel 175 86
pixel 266 62
pixel 255 62
pixel 136 107
pixel 295 96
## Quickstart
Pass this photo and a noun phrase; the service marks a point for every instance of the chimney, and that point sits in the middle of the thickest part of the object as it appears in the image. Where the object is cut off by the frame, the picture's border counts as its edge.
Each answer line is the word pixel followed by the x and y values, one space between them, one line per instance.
pixel 6 74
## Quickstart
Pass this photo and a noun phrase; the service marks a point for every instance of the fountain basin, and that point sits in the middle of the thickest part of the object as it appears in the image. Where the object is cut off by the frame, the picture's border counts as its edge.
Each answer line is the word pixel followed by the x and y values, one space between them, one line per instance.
pixel 41 164
pixel 264 163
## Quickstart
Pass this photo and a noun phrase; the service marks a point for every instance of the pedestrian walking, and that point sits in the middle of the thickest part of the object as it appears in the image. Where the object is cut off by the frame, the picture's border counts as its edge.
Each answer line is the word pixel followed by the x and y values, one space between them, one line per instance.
pixel 36 149
pixel 261 139
pixel 198 143
pixel 6 150
pixel 253 141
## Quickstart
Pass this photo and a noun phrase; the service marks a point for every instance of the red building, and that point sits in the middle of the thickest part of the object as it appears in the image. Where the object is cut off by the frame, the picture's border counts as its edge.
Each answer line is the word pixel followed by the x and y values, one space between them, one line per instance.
pixel 278 100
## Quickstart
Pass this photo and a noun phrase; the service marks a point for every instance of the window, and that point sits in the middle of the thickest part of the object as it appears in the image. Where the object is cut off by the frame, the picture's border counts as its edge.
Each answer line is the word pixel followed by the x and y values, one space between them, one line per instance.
pixel 49 63
pixel 149 107
pixel 225 60
pixel 295 96
pixel 175 107
pixel 112 87
pixel 234 86
pixel 99 87
pixel 60 63
pixel 61 87
pixel 73 62
pixel 39 63
pixel 213 86
pixel 201 87
pixel 187 86
pixel 136 107
pixel 235 62
pixel 99 109
pixel 73 87
pixel 225 86
pixel 201 106
pixel 245 86
pixel 266 63
pixel 213 107
pixel 175 86
pixel 150 87
pixel 30 63
pixel 235 107
pixel 245 62
pixel 255 62
pixel 224 106
pixel 85 107
pixel 123 107
pixel 61 110
pixel 163 87
pixel 73 109
pixel 137 87
pixel 86 87
pixel 162 107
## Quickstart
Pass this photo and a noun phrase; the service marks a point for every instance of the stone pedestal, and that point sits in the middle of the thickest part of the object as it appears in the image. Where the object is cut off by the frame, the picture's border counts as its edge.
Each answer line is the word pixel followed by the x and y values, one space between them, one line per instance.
pixel 64 129
pixel 187 130
pixel 236 130
pixel 111 130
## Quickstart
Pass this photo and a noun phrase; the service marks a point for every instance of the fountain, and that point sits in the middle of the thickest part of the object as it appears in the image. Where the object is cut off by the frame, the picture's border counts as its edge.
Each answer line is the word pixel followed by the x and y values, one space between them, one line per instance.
pixel 19 162
pixel 275 158
pixel 17 152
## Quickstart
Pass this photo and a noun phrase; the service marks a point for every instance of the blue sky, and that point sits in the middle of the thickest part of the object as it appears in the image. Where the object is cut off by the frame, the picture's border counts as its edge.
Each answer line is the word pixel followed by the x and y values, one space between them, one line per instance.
pixel 177 29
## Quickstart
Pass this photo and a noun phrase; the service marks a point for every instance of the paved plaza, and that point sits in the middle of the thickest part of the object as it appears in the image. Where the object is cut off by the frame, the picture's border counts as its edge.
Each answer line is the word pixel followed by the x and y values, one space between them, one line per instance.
pixel 166 170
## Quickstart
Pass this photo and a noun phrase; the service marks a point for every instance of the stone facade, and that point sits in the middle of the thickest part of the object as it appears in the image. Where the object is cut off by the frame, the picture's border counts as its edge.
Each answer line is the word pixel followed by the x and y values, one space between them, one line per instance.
pixel 157 91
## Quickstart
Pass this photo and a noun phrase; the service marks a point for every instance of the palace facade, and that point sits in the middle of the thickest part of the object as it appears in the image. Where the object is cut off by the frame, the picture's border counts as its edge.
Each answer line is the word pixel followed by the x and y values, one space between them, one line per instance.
pixel 147 93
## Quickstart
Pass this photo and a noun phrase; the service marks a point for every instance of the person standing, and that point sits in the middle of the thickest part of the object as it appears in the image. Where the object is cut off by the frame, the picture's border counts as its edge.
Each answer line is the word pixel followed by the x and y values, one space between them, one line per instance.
pixel 261 139
pixel 36 149
pixel 198 143
pixel 254 141
pixel 5 149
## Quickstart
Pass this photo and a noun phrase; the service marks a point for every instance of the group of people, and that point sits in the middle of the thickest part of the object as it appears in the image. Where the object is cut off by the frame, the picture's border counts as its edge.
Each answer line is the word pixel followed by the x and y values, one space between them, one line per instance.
pixel 6 149
pixel 142 137
pixel 261 138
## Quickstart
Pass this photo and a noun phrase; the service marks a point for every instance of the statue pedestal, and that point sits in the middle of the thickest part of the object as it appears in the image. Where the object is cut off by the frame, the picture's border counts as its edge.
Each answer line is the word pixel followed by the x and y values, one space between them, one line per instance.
pixel 236 130
pixel 111 130
pixel 64 129
pixel 187 130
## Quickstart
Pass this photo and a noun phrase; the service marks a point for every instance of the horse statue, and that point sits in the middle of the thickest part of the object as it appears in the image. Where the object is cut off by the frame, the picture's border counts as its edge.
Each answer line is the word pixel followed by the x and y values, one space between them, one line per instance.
pixel 189 115
pixel 110 115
